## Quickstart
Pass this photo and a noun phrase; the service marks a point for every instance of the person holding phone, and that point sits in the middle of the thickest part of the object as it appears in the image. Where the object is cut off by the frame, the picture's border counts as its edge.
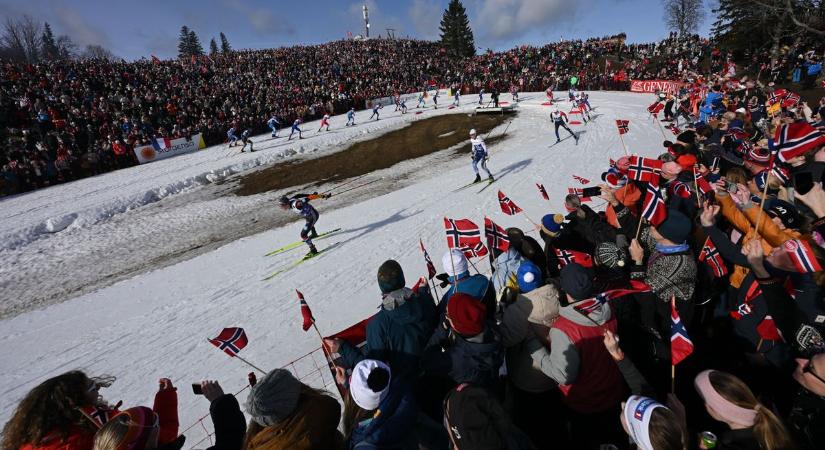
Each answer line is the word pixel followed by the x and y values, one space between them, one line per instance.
pixel 227 419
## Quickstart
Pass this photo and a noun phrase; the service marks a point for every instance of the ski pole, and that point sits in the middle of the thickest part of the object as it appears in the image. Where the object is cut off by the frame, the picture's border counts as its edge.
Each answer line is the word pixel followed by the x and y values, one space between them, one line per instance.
pixel 359 186
pixel 345 183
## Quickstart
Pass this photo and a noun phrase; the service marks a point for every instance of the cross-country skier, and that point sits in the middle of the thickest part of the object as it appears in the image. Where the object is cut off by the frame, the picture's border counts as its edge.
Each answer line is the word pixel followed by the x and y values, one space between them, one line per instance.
pixel 403 106
pixel 456 96
pixel 585 97
pixel 273 125
pixel 549 93
pixel 299 204
pixel 514 93
pixel 375 109
pixel 397 102
pixel 324 122
pixel 295 128
pixel 479 155
pixel 560 120
pixel 351 117
pixel 233 138
pixel 435 99
pixel 480 96
pixel 580 105
pixel 245 139
pixel 571 94
pixel 422 100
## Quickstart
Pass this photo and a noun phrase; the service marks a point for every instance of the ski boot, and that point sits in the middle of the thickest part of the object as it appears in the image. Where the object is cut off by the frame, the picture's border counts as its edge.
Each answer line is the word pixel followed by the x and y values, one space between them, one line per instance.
pixel 312 251
pixel 478 178
pixel 490 178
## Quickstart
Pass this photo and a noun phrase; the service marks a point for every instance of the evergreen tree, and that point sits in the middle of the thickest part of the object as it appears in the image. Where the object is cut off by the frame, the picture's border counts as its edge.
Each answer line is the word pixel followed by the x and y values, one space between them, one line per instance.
pixel 456 34
pixel 225 44
pixel 213 47
pixel 48 45
pixel 184 46
pixel 195 44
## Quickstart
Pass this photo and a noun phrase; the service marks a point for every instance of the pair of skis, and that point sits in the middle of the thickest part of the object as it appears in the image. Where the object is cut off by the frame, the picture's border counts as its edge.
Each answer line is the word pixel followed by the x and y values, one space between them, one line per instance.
pixel 303 259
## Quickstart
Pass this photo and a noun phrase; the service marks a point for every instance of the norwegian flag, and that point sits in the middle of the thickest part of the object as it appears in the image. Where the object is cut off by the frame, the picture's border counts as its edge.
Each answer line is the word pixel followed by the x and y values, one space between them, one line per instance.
pixel 477 250
pixel 795 139
pixel 782 175
pixel 623 126
pixel 680 189
pixel 508 206
pixel 98 414
pixel 644 169
pixel 496 235
pixel 230 340
pixel 767 330
pixel 777 96
pixel 737 133
pixel 674 129
pixel 590 305
pixel 636 286
pixel 802 256
pixel 655 109
pixel 543 191
pixel 430 266
pixel 612 162
pixel 579 192
pixel 305 311
pixel 581 180
pixel 680 344
pixel 744 308
pixel 461 233
pixel 572 256
pixel 710 255
pixel 654 209
pixel 791 100
pixel 702 182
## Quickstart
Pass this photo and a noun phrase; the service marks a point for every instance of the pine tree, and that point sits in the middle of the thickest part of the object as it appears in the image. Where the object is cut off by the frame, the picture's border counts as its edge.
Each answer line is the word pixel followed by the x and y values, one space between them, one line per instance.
pixel 225 44
pixel 48 44
pixel 195 44
pixel 213 47
pixel 456 34
pixel 184 46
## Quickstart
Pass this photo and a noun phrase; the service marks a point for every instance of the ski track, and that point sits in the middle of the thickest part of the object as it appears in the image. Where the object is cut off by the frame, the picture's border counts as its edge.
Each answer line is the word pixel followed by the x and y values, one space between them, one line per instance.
pixel 156 324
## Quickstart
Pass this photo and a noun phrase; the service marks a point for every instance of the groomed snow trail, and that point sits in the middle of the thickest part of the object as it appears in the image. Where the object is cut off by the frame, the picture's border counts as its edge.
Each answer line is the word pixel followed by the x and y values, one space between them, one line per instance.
pixel 156 324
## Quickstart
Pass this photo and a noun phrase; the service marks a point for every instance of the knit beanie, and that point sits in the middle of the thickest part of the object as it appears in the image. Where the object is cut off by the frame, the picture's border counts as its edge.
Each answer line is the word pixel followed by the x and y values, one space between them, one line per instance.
pixel 610 255
pixel 551 224
pixel 576 281
pixel 786 212
pixel 369 383
pixel 273 398
pixel 454 262
pixel 466 314
pixel 390 276
pixel 528 276
pixel 139 422
pixel 614 178
pixel 676 227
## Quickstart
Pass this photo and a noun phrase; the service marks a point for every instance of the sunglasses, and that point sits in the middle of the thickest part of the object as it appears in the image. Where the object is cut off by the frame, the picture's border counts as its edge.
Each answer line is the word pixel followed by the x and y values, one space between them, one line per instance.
pixel 809 368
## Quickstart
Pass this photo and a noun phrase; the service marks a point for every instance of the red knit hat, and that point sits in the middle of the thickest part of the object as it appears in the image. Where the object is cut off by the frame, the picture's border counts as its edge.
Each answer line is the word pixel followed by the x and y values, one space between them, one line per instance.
pixel 466 314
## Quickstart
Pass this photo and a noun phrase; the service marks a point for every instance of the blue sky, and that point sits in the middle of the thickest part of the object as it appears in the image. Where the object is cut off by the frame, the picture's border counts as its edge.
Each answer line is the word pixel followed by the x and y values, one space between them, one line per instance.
pixel 134 29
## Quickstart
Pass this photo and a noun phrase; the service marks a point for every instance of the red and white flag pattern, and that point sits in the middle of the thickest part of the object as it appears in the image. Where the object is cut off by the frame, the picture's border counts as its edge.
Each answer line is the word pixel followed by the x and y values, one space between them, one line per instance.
pixel 654 209
pixel 306 313
pixel 230 340
pixel 710 255
pixel 542 191
pixel 496 235
pixel 508 206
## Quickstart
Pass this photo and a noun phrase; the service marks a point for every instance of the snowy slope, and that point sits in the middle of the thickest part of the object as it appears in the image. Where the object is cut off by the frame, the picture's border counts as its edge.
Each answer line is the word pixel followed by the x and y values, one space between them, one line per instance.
pixel 156 324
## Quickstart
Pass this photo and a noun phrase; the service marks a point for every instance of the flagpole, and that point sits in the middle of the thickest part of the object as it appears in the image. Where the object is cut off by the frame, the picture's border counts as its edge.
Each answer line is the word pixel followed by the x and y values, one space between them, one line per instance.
pixel 621 138
pixel 328 357
pixel 251 365
pixel 673 378
pixel 696 185
pixel 762 204
pixel 639 227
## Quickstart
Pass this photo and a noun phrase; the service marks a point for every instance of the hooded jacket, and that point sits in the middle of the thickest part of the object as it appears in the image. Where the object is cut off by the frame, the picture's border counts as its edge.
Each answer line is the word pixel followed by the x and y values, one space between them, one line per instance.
pixel 398 333
pixel 465 359
pixel 393 427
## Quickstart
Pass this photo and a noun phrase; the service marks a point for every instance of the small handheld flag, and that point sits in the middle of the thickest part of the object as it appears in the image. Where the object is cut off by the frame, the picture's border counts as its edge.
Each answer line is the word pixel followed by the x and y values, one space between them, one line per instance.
pixel 306 313
pixel 230 340
pixel 508 206
pixel 623 126
pixel 431 272
pixel 542 191
pixel 680 344
pixel 581 180
pixel 496 235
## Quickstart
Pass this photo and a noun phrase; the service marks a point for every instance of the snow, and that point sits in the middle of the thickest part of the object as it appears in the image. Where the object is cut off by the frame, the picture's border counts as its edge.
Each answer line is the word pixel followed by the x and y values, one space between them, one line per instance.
pixel 155 324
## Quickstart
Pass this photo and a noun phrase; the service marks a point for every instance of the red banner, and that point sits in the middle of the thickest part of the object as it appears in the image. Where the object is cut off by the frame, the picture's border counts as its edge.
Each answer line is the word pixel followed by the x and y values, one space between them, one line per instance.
pixel 653 86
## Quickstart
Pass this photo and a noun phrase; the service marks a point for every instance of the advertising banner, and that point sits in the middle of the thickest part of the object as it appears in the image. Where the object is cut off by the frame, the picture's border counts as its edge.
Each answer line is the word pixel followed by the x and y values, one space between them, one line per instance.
pixel 163 148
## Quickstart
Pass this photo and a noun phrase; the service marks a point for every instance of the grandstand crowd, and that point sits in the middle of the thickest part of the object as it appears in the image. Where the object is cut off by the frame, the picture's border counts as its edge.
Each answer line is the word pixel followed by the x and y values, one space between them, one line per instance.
pixel 65 120
pixel 694 321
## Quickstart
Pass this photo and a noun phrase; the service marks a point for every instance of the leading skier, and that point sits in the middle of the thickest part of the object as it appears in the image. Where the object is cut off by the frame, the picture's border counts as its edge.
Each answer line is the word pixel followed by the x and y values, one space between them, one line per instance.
pixel 479 154
pixel 299 204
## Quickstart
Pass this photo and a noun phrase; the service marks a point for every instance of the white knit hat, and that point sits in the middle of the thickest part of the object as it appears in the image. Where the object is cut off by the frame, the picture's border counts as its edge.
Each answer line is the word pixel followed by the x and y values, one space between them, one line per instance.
pixel 369 390
pixel 454 262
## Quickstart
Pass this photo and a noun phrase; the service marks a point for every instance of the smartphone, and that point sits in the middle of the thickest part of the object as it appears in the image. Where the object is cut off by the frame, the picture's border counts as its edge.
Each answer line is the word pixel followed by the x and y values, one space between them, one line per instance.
pixel 196 388
pixel 591 192
pixel 731 187
pixel 803 182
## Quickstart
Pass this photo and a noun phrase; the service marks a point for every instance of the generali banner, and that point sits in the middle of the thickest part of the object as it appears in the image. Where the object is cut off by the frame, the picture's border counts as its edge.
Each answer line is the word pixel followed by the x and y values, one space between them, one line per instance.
pixel 167 148
pixel 653 86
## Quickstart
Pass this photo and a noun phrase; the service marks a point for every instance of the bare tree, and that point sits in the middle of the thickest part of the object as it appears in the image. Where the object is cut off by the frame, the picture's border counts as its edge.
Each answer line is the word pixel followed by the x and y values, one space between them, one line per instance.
pixel 684 16
pixel 66 48
pixel 21 39
pixel 97 52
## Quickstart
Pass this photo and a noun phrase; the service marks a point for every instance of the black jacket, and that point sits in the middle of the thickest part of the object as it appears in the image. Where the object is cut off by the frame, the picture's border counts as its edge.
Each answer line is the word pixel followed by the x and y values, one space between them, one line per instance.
pixel 229 423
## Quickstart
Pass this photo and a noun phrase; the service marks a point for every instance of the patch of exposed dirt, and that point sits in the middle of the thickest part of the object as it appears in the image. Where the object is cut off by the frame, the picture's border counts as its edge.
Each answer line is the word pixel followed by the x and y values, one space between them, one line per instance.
pixel 418 139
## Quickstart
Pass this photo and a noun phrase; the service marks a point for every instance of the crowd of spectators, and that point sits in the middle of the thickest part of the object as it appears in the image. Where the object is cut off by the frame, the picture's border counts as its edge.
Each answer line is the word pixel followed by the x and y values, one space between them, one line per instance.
pixel 692 323
pixel 64 120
